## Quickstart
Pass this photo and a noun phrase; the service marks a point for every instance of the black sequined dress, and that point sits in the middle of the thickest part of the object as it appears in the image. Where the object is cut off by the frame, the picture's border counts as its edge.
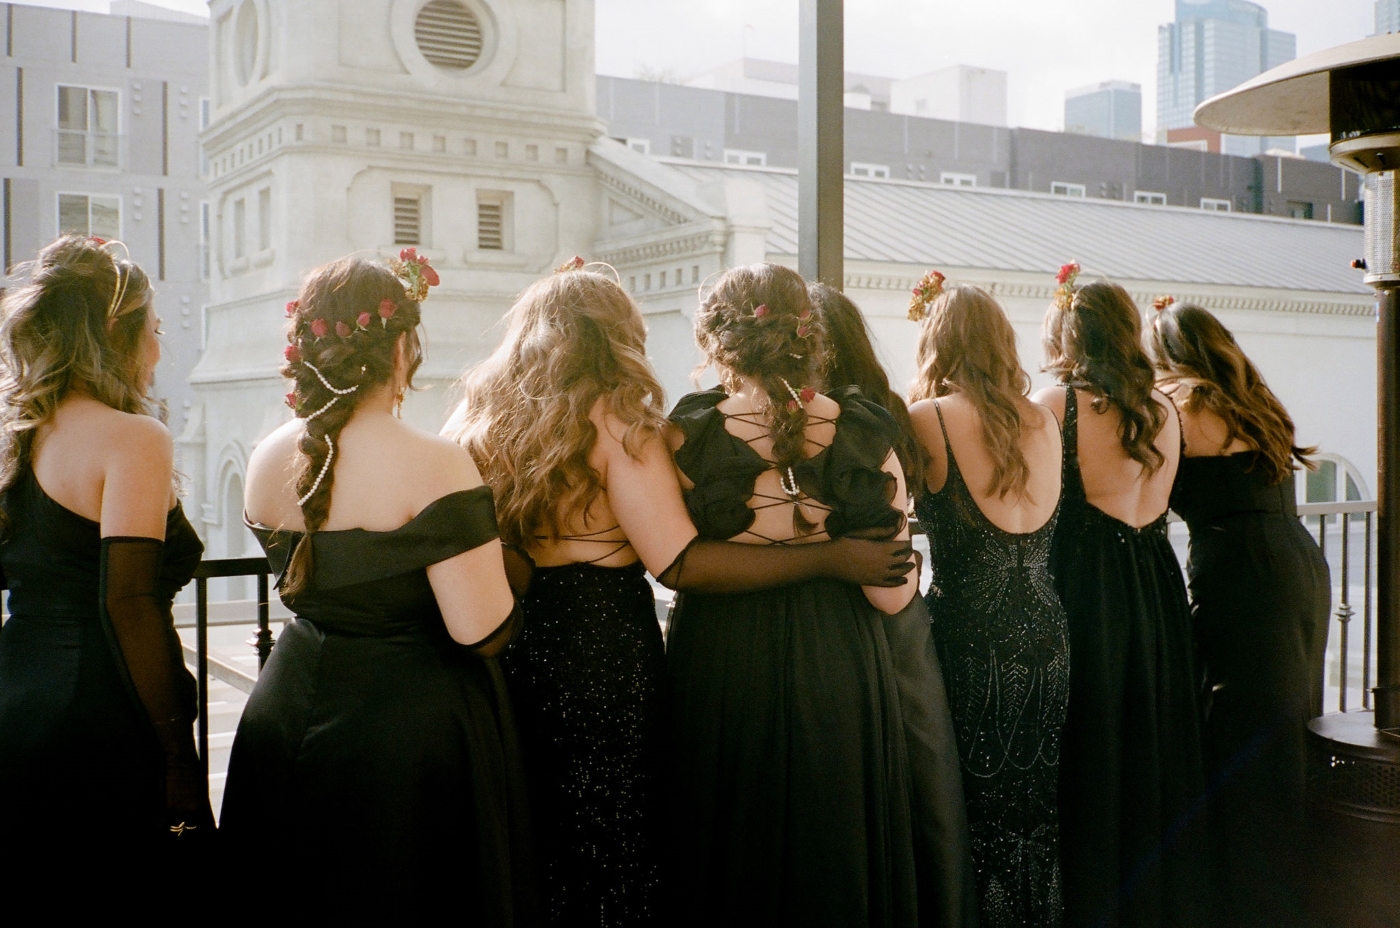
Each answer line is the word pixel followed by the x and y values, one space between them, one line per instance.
pixel 1260 595
pixel 1004 646
pixel 376 755
pixel 794 797
pixel 1133 836
pixel 587 676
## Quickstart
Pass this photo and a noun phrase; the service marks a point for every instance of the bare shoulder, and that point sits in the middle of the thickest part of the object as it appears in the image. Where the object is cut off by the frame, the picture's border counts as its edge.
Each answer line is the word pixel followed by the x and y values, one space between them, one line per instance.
pixel 1053 399
pixel 277 448
pixel 824 406
pixel 439 465
pixel 131 435
pixel 924 414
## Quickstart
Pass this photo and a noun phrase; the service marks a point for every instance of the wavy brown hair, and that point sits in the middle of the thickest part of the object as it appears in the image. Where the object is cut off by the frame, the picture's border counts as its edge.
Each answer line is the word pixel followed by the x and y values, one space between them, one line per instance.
pixel 853 363
pixel 1094 342
pixel 57 334
pixel 967 346
pixel 571 339
pixel 1195 351
pixel 354 351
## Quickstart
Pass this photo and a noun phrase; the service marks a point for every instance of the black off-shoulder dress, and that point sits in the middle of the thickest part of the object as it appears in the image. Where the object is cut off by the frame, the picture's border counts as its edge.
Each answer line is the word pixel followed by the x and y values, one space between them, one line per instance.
pixel 795 785
pixel 377 756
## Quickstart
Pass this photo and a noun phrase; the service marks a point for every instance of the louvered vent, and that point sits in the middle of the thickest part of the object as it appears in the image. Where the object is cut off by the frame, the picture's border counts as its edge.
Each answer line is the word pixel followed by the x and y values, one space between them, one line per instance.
pixel 489 231
pixel 408 221
pixel 448 35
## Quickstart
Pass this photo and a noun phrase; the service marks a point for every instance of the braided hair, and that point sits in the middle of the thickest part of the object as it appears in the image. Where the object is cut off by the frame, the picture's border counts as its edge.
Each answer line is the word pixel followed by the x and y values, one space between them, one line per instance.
pixel 757 323
pixel 79 322
pixel 342 335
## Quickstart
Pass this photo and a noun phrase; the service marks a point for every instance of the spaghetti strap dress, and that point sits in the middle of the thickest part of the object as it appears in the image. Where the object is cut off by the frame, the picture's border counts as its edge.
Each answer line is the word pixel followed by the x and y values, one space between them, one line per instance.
pixel 793 795
pixel 1260 596
pixel 375 754
pixel 1004 646
pixel 587 676
pixel 1133 836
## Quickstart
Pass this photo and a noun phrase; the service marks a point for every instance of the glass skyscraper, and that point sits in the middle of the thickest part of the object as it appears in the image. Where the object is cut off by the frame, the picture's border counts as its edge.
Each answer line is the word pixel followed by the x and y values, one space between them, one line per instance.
pixel 1110 110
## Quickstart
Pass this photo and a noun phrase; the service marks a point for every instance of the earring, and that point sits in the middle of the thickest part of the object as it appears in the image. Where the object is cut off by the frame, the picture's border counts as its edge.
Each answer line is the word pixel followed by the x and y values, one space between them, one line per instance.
pixel 398 402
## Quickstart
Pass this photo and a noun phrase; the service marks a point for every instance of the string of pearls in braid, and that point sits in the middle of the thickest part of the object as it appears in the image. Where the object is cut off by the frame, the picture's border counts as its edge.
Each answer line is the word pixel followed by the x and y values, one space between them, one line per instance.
pixel 337 391
pixel 796 397
pixel 325 468
pixel 789 483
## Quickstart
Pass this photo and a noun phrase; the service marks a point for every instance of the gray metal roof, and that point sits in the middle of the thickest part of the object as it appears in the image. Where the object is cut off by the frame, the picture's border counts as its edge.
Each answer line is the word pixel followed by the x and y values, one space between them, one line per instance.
pixel 940 226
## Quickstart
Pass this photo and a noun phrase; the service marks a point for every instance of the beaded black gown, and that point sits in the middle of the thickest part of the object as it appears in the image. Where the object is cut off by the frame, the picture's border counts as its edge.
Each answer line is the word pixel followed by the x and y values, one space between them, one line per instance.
pixel 793 794
pixel 587 676
pixel 1133 837
pixel 376 753
pixel 1260 597
pixel 80 763
pixel 1004 646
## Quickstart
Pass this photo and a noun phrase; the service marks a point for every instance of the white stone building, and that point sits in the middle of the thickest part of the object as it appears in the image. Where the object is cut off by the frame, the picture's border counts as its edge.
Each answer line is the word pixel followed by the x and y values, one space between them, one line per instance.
pixel 468 128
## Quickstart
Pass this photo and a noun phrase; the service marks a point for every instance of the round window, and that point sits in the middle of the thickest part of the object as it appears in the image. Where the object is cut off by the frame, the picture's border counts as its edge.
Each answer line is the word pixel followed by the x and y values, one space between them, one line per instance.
pixel 448 34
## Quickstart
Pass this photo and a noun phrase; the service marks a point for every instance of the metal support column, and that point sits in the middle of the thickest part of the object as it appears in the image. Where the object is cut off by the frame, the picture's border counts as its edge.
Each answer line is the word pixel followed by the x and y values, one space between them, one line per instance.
pixel 821 142
pixel 1388 540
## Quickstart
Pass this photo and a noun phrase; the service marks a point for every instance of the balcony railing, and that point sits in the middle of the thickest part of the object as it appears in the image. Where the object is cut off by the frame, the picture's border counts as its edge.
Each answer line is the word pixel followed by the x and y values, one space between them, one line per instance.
pixel 83 148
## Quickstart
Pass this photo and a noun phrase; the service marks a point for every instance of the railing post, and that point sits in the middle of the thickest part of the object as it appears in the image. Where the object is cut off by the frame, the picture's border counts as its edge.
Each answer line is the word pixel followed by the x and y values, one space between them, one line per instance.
pixel 1344 612
pixel 201 649
pixel 264 638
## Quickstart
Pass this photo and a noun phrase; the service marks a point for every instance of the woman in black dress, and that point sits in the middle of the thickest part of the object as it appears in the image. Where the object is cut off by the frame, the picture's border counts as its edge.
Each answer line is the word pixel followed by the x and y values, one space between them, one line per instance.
pixel 565 420
pixel 1260 595
pixel 791 790
pixel 1132 824
pixel 377 748
pixel 989 507
pixel 96 707
pixel 940 815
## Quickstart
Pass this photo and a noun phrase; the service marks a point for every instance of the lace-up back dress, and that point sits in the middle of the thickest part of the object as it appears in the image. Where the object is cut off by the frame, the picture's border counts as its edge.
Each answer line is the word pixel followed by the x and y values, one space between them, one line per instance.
pixel 375 752
pixel 1132 818
pixel 1004 646
pixel 792 791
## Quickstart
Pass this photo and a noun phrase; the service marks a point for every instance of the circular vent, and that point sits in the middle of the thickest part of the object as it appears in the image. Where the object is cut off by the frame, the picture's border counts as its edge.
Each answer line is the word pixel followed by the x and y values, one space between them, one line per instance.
pixel 448 35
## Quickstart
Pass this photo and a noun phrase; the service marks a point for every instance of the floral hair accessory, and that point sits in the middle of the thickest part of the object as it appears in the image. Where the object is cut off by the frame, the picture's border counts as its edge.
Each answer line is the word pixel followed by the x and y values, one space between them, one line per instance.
pixel 760 310
pixel 97 240
pixel 292 308
pixel 387 308
pixel 804 330
pixel 291 399
pixel 800 398
pixel 573 264
pixel 292 353
pixel 416 273
pixel 930 285
pixel 362 320
pixel 343 330
pixel 1066 277
pixel 319 328
pixel 1162 302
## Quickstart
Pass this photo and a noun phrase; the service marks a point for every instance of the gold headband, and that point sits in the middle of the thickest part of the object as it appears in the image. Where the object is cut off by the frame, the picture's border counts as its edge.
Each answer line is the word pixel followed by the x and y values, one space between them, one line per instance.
pixel 123 275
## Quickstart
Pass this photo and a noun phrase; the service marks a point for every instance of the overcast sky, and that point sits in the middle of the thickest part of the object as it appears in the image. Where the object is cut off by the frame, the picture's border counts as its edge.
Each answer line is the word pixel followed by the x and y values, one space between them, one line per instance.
pixel 1046 46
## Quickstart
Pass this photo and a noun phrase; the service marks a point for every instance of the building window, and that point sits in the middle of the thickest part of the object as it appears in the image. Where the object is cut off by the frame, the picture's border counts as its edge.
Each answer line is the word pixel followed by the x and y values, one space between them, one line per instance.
pixel 561 156
pixel 641 145
pixel 408 220
pixel 646 281
pixel 440 144
pixel 1299 210
pixel 87 127
pixel 493 221
pixel 502 149
pixel 756 159
pixel 240 228
pixel 862 169
pixel 204 238
pixel 1214 205
pixel 265 219
pixel 89 215
pixel 469 148
pixel 1060 188
pixel 532 153
pixel 337 134
pixel 663 280
pixel 1149 197
pixel 371 136
pixel 204 113
pixel 695 273
pixel 954 179
pixel 1335 480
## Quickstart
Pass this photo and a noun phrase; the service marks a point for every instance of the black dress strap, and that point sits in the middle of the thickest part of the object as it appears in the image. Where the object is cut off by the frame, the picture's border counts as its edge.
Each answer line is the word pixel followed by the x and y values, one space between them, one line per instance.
pixel 953 471
pixel 1072 479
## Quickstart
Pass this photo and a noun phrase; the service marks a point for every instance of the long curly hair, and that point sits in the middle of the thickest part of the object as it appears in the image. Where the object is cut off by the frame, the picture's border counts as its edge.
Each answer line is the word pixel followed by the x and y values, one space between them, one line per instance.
pixel 967 345
pixel 853 363
pixel 571 338
pixel 757 323
pixel 1094 341
pixel 60 331
pixel 345 323
pixel 1194 350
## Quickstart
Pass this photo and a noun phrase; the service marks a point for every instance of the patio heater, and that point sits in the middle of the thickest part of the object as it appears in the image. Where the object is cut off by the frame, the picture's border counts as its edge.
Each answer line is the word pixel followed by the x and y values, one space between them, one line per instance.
pixel 1352 92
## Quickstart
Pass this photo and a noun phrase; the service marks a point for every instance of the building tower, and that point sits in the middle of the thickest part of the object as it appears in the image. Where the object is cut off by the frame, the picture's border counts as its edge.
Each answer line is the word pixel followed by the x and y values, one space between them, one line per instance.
pixel 460 127
pixel 1109 109
pixel 1212 46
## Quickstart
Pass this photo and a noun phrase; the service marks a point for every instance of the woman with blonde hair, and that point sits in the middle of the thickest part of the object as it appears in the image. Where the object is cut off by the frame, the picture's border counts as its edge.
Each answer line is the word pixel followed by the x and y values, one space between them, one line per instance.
pixel 989 506
pixel 1260 595
pixel 1132 827
pixel 96 706
pixel 377 748
pixel 792 795
pixel 565 420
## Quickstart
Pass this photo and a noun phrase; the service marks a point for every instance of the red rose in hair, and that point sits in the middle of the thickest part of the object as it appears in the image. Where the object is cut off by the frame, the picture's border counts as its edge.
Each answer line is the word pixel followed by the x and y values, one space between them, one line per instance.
pixel 291 399
pixel 292 353
pixel 760 311
pixel 97 241
pixel 362 320
pixel 792 406
pixel 805 314
pixel 430 275
pixel 408 254
pixel 808 394
pixel 319 328
pixel 1067 271
pixel 292 308
pixel 343 330
pixel 387 308
pixel 803 331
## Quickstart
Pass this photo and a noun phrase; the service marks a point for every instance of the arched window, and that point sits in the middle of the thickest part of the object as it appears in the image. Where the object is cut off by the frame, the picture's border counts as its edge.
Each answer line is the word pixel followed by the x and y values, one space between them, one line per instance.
pixel 1335 480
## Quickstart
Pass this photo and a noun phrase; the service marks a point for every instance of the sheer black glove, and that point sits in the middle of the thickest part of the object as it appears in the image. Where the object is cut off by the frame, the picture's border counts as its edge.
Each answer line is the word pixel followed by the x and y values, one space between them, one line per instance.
pixel 707 566
pixel 496 642
pixel 138 621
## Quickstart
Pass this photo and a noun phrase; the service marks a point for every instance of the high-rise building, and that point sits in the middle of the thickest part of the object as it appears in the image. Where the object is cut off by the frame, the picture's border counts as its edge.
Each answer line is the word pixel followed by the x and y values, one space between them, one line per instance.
pixel 1387 16
pixel 1212 46
pixel 1109 109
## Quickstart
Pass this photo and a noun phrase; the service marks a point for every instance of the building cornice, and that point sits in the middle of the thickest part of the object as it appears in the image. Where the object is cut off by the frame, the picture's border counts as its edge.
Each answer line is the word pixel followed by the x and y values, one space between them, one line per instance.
pixel 681 241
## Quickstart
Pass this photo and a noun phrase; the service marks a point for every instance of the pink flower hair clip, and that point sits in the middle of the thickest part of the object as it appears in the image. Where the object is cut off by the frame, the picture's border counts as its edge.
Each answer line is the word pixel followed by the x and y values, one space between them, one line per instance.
pixel 416 273
pixel 929 287
pixel 1066 277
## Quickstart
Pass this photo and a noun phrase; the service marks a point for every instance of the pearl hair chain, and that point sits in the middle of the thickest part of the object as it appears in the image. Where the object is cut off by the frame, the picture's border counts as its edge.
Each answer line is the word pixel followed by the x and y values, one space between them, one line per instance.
pixel 325 468
pixel 327 384
pixel 796 397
